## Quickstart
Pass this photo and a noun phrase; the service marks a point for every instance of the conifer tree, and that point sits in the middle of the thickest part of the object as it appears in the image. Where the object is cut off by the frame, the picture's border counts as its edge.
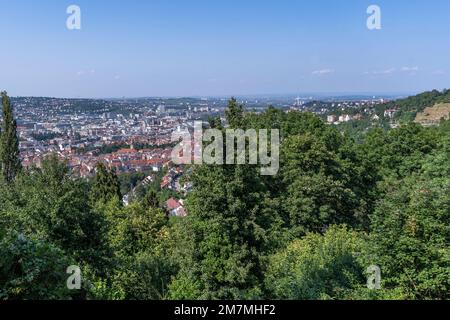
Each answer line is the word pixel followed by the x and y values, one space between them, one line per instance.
pixel 106 185
pixel 235 114
pixel 10 163
pixel 151 200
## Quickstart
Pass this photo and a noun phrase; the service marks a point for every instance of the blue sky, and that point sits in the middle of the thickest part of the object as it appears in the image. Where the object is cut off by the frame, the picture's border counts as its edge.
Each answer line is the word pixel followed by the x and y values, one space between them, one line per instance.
pixel 140 48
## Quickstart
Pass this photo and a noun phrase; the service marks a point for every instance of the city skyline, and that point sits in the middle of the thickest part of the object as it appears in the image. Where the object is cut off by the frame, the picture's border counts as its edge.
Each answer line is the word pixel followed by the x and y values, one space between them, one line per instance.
pixel 200 48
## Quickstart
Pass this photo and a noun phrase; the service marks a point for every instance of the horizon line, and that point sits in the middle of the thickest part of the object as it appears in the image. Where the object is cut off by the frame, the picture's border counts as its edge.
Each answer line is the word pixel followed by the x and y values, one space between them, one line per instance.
pixel 324 94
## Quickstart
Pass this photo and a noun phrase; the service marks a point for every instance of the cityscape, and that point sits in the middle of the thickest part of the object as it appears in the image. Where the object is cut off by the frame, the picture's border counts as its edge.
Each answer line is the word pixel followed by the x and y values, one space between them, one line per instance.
pixel 222 159
pixel 86 131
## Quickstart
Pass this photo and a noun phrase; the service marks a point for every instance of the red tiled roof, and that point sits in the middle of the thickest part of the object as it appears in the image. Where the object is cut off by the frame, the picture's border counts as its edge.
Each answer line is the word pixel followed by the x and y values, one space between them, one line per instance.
pixel 172 204
pixel 126 151
pixel 146 162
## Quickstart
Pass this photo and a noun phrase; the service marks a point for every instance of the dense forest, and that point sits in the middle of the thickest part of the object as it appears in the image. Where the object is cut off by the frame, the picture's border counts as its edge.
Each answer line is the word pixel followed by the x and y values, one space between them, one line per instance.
pixel 336 207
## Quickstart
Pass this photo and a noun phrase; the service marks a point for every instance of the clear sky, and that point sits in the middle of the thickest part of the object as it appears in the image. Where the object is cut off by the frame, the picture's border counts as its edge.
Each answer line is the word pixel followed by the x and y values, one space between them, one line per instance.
pixel 138 48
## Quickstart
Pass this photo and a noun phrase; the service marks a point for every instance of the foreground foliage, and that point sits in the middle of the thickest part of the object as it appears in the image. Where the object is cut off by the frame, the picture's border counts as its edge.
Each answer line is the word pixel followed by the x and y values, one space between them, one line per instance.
pixel 310 232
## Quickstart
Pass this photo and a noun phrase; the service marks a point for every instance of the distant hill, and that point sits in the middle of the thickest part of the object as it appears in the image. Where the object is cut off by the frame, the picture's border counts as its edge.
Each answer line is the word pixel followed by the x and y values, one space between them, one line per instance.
pixel 410 107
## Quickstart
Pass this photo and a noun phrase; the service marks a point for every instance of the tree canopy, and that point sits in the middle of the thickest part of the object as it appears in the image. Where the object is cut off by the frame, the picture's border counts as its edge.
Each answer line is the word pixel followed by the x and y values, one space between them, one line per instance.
pixel 336 207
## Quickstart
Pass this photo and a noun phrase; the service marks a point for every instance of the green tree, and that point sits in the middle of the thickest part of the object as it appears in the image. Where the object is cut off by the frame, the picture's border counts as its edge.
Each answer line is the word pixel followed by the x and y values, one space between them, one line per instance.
pixel 50 204
pixel 410 236
pixel 230 228
pixel 31 269
pixel 134 228
pixel 142 269
pixel 144 276
pixel 400 152
pixel 226 236
pixel 10 163
pixel 151 199
pixel 317 266
pixel 215 123
pixel 106 185
pixel 234 114
pixel 319 188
